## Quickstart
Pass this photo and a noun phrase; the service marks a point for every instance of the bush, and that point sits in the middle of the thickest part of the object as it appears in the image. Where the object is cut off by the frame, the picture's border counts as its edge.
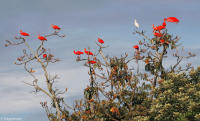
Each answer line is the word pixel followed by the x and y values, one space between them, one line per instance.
pixel 177 98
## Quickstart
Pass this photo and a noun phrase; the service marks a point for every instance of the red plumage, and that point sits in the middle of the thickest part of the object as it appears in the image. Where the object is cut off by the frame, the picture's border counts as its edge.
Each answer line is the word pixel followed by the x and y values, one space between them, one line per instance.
pixel 88 52
pixel 44 56
pixel 136 47
pixel 78 52
pixel 23 33
pixel 162 41
pixel 100 40
pixel 158 28
pixel 42 38
pixel 172 19
pixel 157 34
pixel 92 62
pixel 55 27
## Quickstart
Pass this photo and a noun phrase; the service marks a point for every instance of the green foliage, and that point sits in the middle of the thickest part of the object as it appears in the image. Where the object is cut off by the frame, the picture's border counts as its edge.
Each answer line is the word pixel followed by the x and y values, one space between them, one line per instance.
pixel 178 98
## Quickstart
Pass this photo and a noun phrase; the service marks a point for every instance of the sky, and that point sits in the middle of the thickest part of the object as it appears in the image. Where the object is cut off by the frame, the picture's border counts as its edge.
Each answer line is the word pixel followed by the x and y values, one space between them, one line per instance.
pixel 82 21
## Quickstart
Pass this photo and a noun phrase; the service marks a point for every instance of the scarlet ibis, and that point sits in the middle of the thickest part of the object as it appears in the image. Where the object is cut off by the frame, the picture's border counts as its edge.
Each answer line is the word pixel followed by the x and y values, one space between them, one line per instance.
pixel 23 33
pixel 136 47
pixel 44 56
pixel 136 24
pixel 172 19
pixel 78 52
pixel 92 62
pixel 157 34
pixel 55 27
pixel 100 40
pixel 88 52
pixel 158 28
pixel 42 38
pixel 164 23
pixel 162 41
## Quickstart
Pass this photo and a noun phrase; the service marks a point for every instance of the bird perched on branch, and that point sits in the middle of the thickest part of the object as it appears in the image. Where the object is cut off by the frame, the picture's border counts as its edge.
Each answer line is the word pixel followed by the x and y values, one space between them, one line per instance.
pixel 23 33
pixel 136 24
pixel 42 38
pixel 55 27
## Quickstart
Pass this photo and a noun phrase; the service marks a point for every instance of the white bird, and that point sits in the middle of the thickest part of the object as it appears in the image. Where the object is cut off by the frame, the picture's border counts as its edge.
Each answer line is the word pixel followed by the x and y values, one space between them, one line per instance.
pixel 136 24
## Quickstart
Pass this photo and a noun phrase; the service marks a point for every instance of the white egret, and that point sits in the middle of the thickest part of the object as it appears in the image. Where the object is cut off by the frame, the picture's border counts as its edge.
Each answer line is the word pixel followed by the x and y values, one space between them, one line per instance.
pixel 136 24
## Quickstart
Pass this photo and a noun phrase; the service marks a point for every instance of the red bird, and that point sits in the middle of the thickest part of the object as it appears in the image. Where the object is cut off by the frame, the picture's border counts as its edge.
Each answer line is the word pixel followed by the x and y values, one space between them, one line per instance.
pixel 92 62
pixel 41 38
pixel 164 23
pixel 136 47
pixel 88 52
pixel 157 34
pixel 78 52
pixel 44 56
pixel 100 40
pixel 55 27
pixel 23 33
pixel 158 28
pixel 162 41
pixel 172 19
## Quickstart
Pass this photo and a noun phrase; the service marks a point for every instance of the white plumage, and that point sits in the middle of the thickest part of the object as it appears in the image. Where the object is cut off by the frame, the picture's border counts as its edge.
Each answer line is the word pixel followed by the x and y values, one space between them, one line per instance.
pixel 136 24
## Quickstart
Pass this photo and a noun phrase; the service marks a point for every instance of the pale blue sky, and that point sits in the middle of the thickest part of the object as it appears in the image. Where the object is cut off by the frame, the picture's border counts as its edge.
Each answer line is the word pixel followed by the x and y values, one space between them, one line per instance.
pixel 83 21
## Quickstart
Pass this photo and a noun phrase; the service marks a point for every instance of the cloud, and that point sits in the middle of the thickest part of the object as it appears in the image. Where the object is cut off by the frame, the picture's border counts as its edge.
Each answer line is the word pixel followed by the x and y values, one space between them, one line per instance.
pixel 17 97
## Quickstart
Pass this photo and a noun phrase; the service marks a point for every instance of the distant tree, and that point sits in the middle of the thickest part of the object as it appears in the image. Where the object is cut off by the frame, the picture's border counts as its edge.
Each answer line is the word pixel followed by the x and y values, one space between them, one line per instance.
pixel 41 56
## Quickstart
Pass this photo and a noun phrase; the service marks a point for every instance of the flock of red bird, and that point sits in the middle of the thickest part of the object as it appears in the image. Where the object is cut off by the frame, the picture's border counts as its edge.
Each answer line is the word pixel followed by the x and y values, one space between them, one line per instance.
pixel 156 32
pixel 42 38
pixel 157 29
pixel 88 52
